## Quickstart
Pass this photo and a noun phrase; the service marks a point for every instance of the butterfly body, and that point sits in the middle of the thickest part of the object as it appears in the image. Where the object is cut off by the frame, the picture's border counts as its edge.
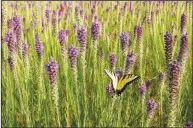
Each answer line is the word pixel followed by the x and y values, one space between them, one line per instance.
pixel 120 84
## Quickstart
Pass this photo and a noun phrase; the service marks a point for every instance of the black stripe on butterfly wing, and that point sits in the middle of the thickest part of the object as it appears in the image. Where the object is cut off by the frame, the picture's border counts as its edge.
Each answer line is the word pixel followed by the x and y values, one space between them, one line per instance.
pixel 118 92
pixel 137 78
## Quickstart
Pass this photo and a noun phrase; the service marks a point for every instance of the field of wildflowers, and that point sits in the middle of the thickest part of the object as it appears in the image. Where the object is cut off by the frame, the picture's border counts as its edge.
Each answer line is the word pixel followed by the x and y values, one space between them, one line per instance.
pixel 53 56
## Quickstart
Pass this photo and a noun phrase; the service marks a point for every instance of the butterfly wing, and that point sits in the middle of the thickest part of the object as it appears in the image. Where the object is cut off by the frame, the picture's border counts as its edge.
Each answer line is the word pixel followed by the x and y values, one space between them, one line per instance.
pixel 124 81
pixel 113 77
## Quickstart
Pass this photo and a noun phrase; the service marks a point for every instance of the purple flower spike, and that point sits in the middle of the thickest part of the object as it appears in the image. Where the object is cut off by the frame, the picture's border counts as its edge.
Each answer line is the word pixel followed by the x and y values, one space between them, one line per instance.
pixel 17 23
pixel 119 72
pixel 102 55
pixel 130 60
pixel 62 5
pixel 174 72
pixel 93 11
pixel 161 76
pixel 10 25
pixel 138 32
pixel 124 37
pixel 183 48
pixel 67 32
pixel 86 17
pixel 95 18
pixel 62 37
pixel 39 47
pixel 73 53
pixel 76 9
pixel 17 27
pixel 75 26
pixel 151 107
pixel 95 30
pixel 52 69
pixel 188 125
pixel 47 14
pixel 113 60
pixel 25 48
pixel 10 61
pixel 183 23
pixel 11 41
pixel 142 90
pixel 115 7
pixel 81 12
pixel 168 46
pixel 82 36
pixel 109 89
pixel 148 83
pixel 107 9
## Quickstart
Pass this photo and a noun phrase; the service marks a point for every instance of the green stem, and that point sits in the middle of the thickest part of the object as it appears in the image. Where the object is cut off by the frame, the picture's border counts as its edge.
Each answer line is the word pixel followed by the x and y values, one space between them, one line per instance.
pixel 40 89
pixel 55 100
pixel 77 94
pixel 143 111
pixel 28 121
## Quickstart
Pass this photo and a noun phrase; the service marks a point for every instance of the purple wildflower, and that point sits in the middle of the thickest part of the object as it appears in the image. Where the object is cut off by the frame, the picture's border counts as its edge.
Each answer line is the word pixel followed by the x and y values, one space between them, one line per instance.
pixel 73 53
pixel 188 125
pixel 119 72
pixel 93 11
pixel 11 41
pixel 109 89
pixel 113 60
pixel 67 32
pixel 10 61
pixel 102 55
pixel 161 76
pixel 62 5
pixel 151 107
pixel 183 48
pixel 168 46
pixel 95 18
pixel 130 60
pixel 10 25
pixel 174 72
pixel 76 9
pixel 75 26
pixel 82 36
pixel 142 90
pixel 47 14
pixel 17 28
pixel 107 9
pixel 81 12
pixel 86 17
pixel 52 69
pixel 95 30
pixel 17 23
pixel 183 23
pixel 33 23
pixel 25 47
pixel 124 37
pixel 138 32
pixel 39 46
pixel 62 36
pixel 148 83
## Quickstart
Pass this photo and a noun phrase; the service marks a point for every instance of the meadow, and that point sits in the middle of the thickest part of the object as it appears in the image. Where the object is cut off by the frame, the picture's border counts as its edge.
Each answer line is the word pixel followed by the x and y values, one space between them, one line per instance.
pixel 54 53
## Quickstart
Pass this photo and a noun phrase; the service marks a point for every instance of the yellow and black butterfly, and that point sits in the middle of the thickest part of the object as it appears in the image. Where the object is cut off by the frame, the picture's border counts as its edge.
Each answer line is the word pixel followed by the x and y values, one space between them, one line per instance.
pixel 120 84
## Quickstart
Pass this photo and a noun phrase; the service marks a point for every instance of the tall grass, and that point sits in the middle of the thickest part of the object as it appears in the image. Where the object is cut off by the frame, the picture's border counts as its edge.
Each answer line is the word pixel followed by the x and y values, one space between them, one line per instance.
pixel 79 97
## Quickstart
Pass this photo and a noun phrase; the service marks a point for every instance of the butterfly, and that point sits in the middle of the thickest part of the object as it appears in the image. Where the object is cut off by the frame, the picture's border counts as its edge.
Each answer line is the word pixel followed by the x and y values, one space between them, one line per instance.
pixel 120 83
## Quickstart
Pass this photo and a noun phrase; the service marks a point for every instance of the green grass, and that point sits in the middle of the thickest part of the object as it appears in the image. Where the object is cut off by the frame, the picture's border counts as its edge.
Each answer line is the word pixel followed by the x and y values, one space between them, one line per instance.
pixel 99 109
